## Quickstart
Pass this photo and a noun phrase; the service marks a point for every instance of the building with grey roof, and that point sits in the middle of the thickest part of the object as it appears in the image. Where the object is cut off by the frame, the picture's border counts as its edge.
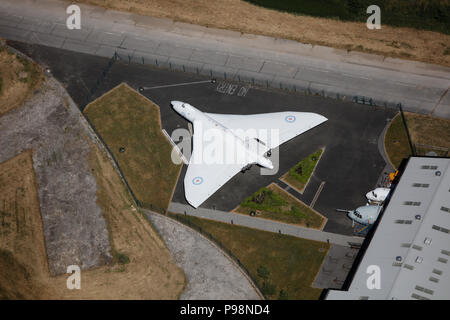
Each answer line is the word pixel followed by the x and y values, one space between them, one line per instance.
pixel 410 243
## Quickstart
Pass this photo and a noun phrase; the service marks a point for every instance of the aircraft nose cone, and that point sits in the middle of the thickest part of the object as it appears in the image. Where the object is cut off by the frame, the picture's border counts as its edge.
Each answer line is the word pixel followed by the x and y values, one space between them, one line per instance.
pixel 175 103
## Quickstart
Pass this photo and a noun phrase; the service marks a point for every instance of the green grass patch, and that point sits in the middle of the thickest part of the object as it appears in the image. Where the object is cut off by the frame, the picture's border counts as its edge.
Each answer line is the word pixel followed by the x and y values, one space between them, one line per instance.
pixel 120 258
pixel 299 174
pixel 420 14
pixel 283 266
pixel 130 126
pixel 274 203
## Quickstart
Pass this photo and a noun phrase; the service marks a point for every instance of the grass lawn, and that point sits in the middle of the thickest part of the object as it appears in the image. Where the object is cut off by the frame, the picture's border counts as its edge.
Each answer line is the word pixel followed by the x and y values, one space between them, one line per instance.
pixel 298 176
pixel 287 263
pixel 274 203
pixel 126 119
pixel 427 134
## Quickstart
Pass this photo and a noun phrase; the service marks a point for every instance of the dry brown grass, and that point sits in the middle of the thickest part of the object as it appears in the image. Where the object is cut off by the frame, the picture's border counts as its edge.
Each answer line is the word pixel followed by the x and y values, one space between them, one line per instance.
pixel 424 130
pixel 23 258
pixel 428 130
pixel 18 79
pixel 150 273
pixel 125 118
pixel 407 43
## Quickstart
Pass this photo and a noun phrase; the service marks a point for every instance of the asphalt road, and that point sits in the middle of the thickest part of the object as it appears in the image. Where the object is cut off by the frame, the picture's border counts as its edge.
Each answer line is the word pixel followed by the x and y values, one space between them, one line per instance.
pixel 350 165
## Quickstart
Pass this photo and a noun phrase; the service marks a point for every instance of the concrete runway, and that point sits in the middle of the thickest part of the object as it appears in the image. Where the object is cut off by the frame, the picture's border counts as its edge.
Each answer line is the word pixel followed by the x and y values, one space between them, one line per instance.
pixel 420 87
pixel 350 165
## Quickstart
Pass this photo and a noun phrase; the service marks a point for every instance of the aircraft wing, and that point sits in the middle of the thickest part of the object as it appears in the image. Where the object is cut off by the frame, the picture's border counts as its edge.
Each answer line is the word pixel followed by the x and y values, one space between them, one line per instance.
pixel 288 124
pixel 202 179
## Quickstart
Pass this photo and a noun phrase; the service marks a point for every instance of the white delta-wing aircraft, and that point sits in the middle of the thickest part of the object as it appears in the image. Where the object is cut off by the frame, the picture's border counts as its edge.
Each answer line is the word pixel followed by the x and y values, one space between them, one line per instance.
pixel 237 141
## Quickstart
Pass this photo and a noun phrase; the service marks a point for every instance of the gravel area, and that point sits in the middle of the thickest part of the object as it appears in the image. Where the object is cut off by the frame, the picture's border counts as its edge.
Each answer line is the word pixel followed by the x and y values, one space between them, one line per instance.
pixel 210 274
pixel 50 124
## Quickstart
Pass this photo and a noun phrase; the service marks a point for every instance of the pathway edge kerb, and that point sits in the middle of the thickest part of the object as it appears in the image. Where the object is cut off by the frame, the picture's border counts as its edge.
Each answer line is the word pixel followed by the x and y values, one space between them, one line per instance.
pixel 324 235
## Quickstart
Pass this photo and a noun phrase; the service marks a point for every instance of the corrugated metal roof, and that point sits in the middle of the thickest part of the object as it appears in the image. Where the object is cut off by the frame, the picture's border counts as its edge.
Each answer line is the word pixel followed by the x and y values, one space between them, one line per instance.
pixel 413 257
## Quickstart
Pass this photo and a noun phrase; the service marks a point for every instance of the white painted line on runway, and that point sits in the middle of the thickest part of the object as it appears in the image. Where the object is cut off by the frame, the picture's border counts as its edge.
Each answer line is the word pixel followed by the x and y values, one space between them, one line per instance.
pixel 316 196
pixel 176 85
pixel 404 84
pixel 355 76
pixel 314 69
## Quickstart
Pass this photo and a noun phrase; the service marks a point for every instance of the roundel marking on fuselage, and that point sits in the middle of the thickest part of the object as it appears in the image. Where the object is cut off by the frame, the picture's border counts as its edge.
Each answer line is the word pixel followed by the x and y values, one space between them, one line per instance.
pixel 197 180
pixel 290 119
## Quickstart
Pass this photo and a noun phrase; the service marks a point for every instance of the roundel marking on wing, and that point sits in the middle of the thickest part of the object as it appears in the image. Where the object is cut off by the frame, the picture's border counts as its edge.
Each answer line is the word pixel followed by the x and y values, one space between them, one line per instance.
pixel 290 119
pixel 197 180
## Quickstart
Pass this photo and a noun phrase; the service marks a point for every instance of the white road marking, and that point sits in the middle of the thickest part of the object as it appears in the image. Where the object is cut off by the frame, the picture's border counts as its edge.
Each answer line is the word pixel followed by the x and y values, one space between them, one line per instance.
pixel 177 85
pixel 355 76
pixel 316 196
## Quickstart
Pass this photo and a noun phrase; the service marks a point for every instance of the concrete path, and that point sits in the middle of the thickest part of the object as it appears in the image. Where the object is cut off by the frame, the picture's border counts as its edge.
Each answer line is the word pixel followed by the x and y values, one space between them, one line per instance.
pixel 226 54
pixel 211 275
pixel 264 224
pixel 335 267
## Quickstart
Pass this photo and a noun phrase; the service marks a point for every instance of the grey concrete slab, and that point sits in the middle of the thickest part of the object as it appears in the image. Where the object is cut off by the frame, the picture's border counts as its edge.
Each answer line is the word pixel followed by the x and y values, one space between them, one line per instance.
pixel 96 12
pixel 10 20
pixel 159 23
pixel 46 39
pixel 245 63
pixel 124 55
pixel 358 72
pixel 277 68
pixel 222 33
pixel 255 78
pixel 140 43
pixel 335 267
pixel 189 29
pixel 209 56
pixel 14 33
pixel 185 65
pixel 46 27
pixel 149 58
pixel 61 30
pixel 106 38
pixel 80 46
pixel 214 71
pixel 174 51
pixel 295 85
pixel 29 24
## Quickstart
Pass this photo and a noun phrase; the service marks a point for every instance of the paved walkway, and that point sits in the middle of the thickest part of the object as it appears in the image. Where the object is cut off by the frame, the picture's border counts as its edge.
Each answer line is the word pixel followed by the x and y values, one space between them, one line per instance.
pixel 226 54
pixel 335 267
pixel 210 273
pixel 265 224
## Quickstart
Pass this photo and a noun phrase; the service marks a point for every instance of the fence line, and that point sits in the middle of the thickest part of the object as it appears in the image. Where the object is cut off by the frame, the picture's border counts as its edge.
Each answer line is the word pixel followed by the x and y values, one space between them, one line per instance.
pixel 138 203
pixel 264 81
